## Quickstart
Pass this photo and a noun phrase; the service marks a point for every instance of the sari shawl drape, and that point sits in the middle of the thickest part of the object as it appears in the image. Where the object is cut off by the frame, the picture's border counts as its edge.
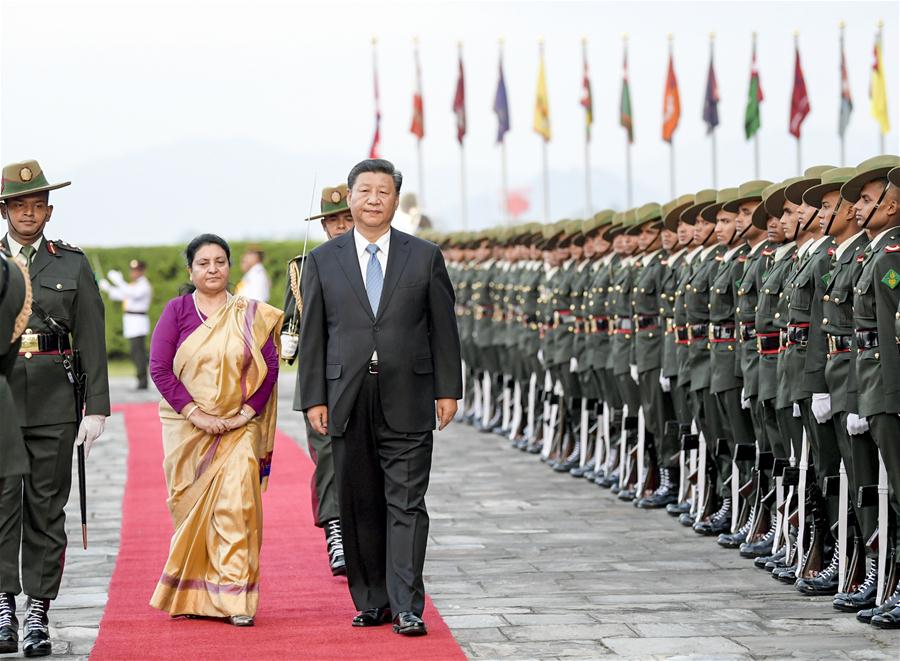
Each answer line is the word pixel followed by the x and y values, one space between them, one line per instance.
pixel 215 481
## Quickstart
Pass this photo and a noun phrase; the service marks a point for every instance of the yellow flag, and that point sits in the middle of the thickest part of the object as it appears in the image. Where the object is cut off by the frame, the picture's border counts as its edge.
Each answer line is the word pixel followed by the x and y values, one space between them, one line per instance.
pixel 542 104
pixel 877 90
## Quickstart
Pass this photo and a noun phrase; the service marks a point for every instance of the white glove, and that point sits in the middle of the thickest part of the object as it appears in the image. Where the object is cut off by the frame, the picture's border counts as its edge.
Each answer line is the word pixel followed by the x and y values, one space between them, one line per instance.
pixel 856 425
pixel 821 407
pixel 634 374
pixel 89 431
pixel 541 356
pixel 745 401
pixel 289 346
pixel 796 410
pixel 117 278
pixel 665 383
pixel 104 285
pixel 573 364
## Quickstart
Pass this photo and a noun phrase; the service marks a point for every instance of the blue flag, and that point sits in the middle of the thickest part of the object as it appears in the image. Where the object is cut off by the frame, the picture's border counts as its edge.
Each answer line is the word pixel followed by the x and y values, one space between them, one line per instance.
pixel 711 100
pixel 501 107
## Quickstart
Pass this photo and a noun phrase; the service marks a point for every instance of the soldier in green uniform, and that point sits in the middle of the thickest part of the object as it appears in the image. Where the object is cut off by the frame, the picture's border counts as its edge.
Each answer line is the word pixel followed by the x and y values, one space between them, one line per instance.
pixel 529 341
pixel 336 220
pixel 67 314
pixel 876 204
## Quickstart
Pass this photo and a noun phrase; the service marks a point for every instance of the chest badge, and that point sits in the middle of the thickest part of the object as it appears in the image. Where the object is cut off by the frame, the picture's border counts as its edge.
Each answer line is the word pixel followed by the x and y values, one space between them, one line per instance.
pixel 891 279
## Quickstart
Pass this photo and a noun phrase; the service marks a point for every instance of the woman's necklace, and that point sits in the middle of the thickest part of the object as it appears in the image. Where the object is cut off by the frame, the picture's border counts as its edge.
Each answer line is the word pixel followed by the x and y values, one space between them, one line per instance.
pixel 197 307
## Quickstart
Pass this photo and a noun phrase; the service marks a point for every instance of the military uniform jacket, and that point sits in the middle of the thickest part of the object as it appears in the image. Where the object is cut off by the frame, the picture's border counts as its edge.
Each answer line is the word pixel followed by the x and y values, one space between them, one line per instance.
pixel 13 453
pixel 483 304
pixel 837 320
pixel 770 285
pixel 564 316
pixel 874 308
pixel 599 340
pixel 723 354
pixel 581 299
pixel 619 310
pixel 668 285
pixel 683 349
pixel 747 366
pixel 292 284
pixel 800 295
pixel 696 299
pixel 64 287
pixel 530 338
pixel 550 281
pixel 648 342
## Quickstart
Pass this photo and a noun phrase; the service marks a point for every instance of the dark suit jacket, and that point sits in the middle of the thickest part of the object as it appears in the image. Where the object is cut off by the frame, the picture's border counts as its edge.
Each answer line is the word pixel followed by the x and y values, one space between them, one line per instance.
pixel 414 331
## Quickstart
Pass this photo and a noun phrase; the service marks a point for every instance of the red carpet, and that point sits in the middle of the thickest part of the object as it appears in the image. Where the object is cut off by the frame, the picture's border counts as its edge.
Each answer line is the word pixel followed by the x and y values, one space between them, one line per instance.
pixel 304 612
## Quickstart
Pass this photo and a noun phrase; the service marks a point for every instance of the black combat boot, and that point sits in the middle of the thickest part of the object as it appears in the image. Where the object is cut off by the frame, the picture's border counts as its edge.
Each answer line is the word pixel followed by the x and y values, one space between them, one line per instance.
pixel 36 629
pixel 9 625
pixel 864 597
pixel 666 493
pixel 736 539
pixel 335 543
pixel 718 522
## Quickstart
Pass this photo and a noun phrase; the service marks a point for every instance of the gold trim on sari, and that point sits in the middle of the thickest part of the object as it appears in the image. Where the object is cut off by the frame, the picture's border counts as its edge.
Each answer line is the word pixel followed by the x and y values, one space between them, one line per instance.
pixel 215 483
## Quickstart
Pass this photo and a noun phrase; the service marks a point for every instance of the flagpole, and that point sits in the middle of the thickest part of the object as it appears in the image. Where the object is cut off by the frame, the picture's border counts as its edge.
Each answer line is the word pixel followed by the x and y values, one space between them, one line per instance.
pixel 627 142
pixel 588 206
pixel 712 133
pixel 755 133
pixel 504 180
pixel 799 159
pixel 671 142
pixel 881 45
pixel 544 155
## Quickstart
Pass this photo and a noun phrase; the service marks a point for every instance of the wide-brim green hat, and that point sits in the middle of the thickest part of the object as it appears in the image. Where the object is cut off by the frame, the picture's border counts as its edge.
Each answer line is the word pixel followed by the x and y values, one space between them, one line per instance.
pixel 25 178
pixel 872 168
pixel 617 226
pixel 334 201
pixel 760 218
pixel 597 222
pixel 749 191
pixel 723 197
pixel 648 213
pixel 812 176
pixel 702 199
pixel 671 211
pixel 894 177
pixel 775 202
pixel 832 180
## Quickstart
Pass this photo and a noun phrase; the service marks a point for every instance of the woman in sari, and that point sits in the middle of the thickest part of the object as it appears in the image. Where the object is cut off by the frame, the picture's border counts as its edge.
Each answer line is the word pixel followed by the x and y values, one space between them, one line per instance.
pixel 214 359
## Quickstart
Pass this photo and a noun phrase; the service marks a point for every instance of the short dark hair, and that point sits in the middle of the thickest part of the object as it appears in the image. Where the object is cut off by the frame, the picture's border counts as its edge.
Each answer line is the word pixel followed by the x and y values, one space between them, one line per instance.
pixel 204 240
pixel 375 165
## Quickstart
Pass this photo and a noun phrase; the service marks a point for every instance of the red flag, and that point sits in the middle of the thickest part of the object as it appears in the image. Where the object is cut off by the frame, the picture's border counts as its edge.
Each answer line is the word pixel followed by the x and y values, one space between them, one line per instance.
pixel 376 139
pixel 417 127
pixel 671 103
pixel 459 103
pixel 799 99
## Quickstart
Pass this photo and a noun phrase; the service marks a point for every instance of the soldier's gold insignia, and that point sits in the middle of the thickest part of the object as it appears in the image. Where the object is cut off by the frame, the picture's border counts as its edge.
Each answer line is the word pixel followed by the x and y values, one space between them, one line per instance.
pixel 335 196
pixel 891 279
pixel 25 174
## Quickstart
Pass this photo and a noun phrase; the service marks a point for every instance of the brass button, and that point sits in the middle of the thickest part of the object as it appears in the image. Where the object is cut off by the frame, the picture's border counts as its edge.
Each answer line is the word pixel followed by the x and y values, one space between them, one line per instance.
pixel 825 320
pixel 826 298
pixel 768 291
pixel 650 334
pixel 738 310
pixel 778 315
pixel 59 285
pixel 29 331
pixel 877 355
pixel 28 354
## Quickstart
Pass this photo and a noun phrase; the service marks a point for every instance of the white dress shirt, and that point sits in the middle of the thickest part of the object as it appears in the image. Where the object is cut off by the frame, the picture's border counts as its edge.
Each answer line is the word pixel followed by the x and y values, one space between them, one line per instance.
pixel 135 297
pixel 255 284
pixel 15 247
pixel 384 245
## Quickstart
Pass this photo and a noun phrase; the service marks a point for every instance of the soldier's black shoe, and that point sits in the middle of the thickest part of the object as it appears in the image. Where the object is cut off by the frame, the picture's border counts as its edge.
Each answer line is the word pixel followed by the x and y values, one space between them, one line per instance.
pixel 768 562
pixel 889 604
pixel 686 519
pixel 718 522
pixel 582 471
pixel 608 481
pixel 334 541
pixel 677 509
pixel 785 574
pixel 736 539
pixel 626 494
pixel 888 620
pixel 761 547
pixel 9 624
pixel 825 583
pixel 864 597
pixel 666 493
pixel 36 631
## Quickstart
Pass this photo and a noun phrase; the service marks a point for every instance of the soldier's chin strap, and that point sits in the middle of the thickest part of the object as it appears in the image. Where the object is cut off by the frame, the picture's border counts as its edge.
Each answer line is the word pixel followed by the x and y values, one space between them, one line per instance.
pixel 833 215
pixel 877 204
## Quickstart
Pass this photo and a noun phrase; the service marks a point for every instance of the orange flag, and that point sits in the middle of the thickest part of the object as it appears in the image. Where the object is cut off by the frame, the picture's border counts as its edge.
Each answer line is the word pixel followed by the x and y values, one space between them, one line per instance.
pixel 671 103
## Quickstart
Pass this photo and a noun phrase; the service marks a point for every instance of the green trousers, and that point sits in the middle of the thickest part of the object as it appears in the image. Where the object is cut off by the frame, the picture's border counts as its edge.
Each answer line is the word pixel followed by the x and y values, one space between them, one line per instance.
pixel 322 490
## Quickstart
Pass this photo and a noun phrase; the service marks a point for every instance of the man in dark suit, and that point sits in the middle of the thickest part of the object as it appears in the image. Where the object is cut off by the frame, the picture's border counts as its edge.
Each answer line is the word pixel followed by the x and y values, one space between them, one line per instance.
pixel 380 353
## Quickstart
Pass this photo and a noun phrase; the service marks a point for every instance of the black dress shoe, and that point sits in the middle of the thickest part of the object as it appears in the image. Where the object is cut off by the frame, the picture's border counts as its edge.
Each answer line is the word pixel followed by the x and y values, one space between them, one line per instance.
pixel 768 562
pixel 677 509
pixel 37 632
pixel 372 617
pixel 9 624
pixel 408 623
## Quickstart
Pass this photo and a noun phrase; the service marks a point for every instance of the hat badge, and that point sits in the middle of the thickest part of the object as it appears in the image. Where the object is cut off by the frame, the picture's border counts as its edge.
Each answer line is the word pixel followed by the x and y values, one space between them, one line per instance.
pixel 25 174
pixel 335 196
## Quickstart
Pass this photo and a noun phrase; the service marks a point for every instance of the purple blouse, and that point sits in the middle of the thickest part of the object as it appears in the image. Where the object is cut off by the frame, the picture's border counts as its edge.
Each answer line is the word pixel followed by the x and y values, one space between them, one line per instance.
pixel 176 323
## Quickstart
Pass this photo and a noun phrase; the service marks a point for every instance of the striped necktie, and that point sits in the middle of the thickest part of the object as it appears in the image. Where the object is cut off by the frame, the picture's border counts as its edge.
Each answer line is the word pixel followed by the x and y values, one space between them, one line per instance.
pixel 374 277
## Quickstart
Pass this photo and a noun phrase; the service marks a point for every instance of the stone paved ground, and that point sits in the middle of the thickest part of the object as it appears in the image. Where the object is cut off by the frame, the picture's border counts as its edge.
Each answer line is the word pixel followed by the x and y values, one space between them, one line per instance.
pixel 526 564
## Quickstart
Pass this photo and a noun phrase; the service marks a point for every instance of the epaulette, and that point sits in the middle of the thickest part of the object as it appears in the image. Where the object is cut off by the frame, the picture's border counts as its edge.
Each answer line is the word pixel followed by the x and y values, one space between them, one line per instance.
pixel 893 248
pixel 768 252
pixel 53 245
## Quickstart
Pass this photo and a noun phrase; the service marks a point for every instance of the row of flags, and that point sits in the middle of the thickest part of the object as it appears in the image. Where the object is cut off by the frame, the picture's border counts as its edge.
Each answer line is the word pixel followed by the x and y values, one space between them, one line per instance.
pixel 800 102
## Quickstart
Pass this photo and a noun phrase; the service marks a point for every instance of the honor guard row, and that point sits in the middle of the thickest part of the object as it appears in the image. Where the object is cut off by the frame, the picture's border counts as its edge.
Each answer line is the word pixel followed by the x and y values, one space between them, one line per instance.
pixel 730 356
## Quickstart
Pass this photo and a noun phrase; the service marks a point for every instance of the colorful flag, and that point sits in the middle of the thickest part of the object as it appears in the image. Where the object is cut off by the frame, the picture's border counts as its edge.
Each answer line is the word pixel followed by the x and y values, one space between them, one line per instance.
pixel 846 99
pixel 711 98
pixel 376 139
pixel 877 90
pixel 587 100
pixel 542 104
pixel 459 103
pixel 417 126
pixel 671 103
pixel 754 98
pixel 625 118
pixel 799 98
pixel 501 106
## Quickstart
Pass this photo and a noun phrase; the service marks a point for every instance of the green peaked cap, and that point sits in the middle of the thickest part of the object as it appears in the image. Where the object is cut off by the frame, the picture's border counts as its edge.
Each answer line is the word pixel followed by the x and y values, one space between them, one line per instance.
pixel 872 168
pixel 702 199
pixel 671 211
pixel 334 201
pixel 812 176
pixel 725 195
pixel 747 192
pixel 832 180
pixel 775 201
pixel 894 176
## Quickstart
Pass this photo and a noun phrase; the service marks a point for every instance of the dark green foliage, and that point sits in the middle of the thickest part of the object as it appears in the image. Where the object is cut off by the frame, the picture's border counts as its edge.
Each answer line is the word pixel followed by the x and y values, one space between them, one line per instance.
pixel 167 272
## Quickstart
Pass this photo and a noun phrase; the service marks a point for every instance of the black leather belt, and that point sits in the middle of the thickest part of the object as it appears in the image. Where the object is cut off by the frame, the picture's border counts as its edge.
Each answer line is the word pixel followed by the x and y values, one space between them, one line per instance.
pixel 681 335
pixel 44 343
pixel 797 334
pixel 768 344
pixel 646 321
pixel 140 314
pixel 748 332
pixel 722 332
pixel 373 367
pixel 839 343
pixel 866 338
pixel 622 325
pixel 697 331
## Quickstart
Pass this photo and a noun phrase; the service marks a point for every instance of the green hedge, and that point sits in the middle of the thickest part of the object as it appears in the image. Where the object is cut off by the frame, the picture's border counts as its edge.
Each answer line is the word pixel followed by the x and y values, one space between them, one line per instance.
pixel 167 273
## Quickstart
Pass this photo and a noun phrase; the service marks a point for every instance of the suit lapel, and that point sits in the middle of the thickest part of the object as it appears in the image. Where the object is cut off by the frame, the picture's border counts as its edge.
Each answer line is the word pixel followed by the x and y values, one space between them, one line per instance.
pixel 398 253
pixel 349 263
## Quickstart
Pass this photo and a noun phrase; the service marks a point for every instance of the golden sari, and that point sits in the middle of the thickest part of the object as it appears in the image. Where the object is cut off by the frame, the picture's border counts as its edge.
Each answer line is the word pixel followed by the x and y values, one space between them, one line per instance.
pixel 215 483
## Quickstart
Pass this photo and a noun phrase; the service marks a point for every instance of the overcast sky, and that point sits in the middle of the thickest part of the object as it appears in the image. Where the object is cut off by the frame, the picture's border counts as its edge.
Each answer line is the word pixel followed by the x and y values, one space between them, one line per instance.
pixel 178 117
